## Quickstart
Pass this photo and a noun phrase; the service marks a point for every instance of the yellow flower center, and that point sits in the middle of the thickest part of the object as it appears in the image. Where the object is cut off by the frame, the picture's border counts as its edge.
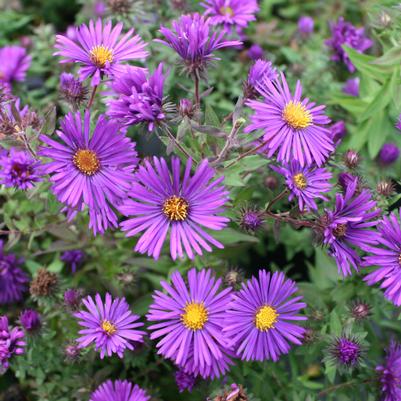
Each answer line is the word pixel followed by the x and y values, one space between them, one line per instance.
pixel 300 181
pixel 340 230
pixel 226 11
pixel 108 327
pixel 194 316
pixel 86 161
pixel 176 208
pixel 265 318
pixel 100 55
pixel 296 115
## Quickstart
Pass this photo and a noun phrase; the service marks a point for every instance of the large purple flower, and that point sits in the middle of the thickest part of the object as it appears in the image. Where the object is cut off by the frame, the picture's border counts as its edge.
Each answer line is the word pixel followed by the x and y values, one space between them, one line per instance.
pixel 189 320
pixel 11 343
pixel 259 319
pixel 139 97
pixel 13 280
pixel 344 33
pixel 111 326
pixel 160 201
pixel 292 126
pixel 100 50
pixel 93 171
pixel 305 183
pixel 349 226
pixel 119 390
pixel 14 63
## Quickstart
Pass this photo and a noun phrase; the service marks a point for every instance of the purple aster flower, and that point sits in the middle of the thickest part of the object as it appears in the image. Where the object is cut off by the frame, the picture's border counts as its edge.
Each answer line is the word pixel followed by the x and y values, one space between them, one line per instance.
pixel 14 63
pixel 99 9
pixel 351 87
pixel 388 154
pixel 186 108
pixel 258 320
pixel 305 25
pixel 73 258
pixel 13 280
pixel 338 131
pixel 139 97
pixel 111 326
pixel 305 183
pixel 250 219
pixel 185 381
pixel 387 258
pixel 349 225
pixel 261 70
pixel 99 50
pixel 390 373
pixel 11 342
pixel 18 169
pixel 255 52
pixel 344 33
pixel 195 42
pixel 30 320
pixel 345 179
pixel 119 390
pixel 346 351
pixel 189 321
pixel 398 124
pixel 292 125
pixel 72 89
pixel 161 201
pixel 72 298
pixel 231 14
pixel 93 171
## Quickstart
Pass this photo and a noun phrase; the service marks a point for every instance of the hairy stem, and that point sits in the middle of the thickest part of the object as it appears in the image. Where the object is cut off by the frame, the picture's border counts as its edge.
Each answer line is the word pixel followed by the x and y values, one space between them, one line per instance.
pixel 92 98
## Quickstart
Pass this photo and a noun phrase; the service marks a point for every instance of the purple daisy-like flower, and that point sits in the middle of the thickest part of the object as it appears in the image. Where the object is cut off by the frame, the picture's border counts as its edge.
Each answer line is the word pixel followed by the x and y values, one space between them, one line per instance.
pixel 346 351
pixel 351 87
pixel 293 127
pixel 30 320
pixel 390 373
pixel 305 25
pixel 195 42
pixel 231 14
pixel 111 326
pixel 13 280
pixel 100 50
pixel 344 33
pixel 14 63
pixel 74 258
pixel 160 201
pixel 255 52
pixel 305 183
pixel 349 225
pixel 338 131
pixel 388 154
pixel 189 320
pixel 18 169
pixel 11 343
pixel 139 97
pixel 387 258
pixel 250 219
pixel 184 380
pixel 93 171
pixel 258 320
pixel 261 70
pixel 119 390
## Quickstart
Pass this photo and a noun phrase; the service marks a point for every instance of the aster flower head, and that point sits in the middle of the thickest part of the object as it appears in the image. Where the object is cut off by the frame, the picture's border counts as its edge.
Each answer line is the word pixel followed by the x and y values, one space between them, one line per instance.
pixel 338 131
pixel 250 219
pixel 385 188
pixel 351 87
pixel 90 170
pixel 259 319
pixel 13 280
pixel 305 184
pixel 11 343
pixel 344 33
pixel 388 154
pixel 14 63
pixel 398 123
pixel 72 89
pixel 18 169
pixel 73 258
pixel 255 52
pixel 30 320
pixel 72 298
pixel 109 325
pixel 188 321
pixel 44 283
pixel 346 351
pixel 185 381
pixel 99 49
pixel 139 97
pixel 390 373
pixel 161 201
pixel 360 310
pixel 293 127
pixel 260 70
pixel 348 227
pixel 195 42
pixel 72 352
pixel 119 390
pixel 305 25
pixel 351 158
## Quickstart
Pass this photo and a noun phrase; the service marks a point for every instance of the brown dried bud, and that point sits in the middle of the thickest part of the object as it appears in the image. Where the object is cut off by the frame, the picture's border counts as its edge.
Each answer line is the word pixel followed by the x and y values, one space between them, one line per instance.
pixel 43 284
pixel 385 188
pixel 309 336
pixel 351 159
pixel 122 7
pixel 233 277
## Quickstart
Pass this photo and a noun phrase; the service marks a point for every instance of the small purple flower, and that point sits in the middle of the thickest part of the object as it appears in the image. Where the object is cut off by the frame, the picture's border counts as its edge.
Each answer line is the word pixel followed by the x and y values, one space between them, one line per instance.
pixel 72 352
pixel 344 33
pixel 186 108
pixel 185 381
pixel 338 131
pixel 119 390
pixel 305 184
pixel 346 351
pixel 99 50
pixel 72 298
pixel 259 319
pixel 345 179
pixel 255 52
pixel 398 124
pixel 14 63
pixel 111 326
pixel 13 280
pixel 261 70
pixel 11 343
pixel 351 87
pixel 139 98
pixel 160 201
pixel 388 154
pixel 72 89
pixel 73 258
pixel 305 25
pixel 30 320
pixel 250 219
pixel 99 9
pixel 390 373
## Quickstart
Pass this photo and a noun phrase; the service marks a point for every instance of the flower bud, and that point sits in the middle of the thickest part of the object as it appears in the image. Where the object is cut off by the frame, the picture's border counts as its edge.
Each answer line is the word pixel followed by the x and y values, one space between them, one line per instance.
pixel 351 159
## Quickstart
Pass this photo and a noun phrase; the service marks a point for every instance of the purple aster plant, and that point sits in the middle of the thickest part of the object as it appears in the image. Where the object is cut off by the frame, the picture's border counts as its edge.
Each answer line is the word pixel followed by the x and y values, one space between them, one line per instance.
pixel 305 25
pixel 260 70
pixel 90 170
pixel 72 90
pixel 255 52
pixel 346 351
pixel 306 184
pixel 293 127
pixel 344 33
pixel 351 87
pixel 188 321
pixel 18 169
pixel 30 320
pixel 349 225
pixel 11 343
pixel 195 42
pixel 100 50
pixel 73 258
pixel 161 202
pixel 338 131
pixel 72 298
pixel 13 280
pixel 14 63
pixel 390 373
pixel 388 154
pixel 250 219
pixel 184 380
pixel 109 325
pixel 119 390
pixel 139 98
pixel 259 320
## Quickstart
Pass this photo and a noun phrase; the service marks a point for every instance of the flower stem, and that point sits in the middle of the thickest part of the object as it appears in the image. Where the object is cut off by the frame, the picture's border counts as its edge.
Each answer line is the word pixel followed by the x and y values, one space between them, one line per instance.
pixel 90 103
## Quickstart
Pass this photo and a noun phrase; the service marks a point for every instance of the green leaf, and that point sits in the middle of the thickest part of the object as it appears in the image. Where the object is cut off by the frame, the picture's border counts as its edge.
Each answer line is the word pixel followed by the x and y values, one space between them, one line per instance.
pixel 391 57
pixel 211 117
pixel 335 323
pixel 379 129
pixel 230 236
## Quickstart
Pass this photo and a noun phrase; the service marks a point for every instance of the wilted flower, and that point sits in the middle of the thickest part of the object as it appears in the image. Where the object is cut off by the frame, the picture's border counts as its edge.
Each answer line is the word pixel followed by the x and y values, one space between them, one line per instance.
pixel 14 63
pixel 233 277
pixel 30 320
pixel 44 283
pixel 11 343
pixel 185 381
pixel 388 154
pixel 351 159
pixel 351 87
pixel 119 390
pixel 72 89
pixel 305 25
pixel 255 52
pixel 250 219
pixel 346 351
pixel 73 258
